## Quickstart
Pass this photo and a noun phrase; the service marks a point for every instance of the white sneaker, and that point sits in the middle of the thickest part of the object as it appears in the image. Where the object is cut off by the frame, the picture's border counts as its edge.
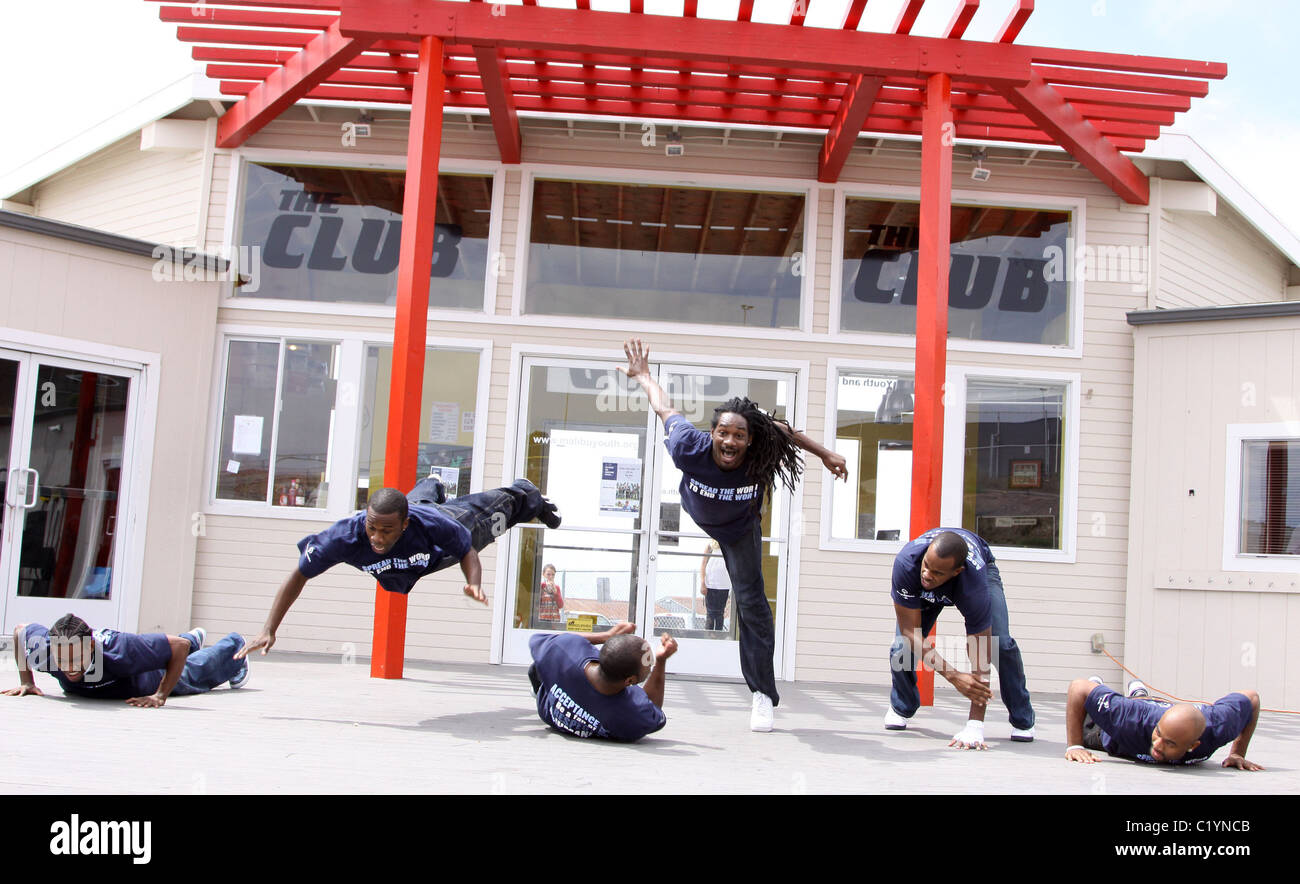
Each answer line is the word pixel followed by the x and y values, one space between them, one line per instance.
pixel 1096 679
pixel 1136 690
pixel 1022 736
pixel 760 719
pixel 894 721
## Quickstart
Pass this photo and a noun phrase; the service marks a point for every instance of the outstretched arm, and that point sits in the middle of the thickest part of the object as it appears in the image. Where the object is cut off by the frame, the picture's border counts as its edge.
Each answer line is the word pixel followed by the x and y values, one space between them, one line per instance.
pixel 1076 707
pixel 180 650
pixel 473 570
pixel 284 599
pixel 1237 754
pixel 638 368
pixel 834 462
pixel 599 638
pixel 26 684
pixel 654 685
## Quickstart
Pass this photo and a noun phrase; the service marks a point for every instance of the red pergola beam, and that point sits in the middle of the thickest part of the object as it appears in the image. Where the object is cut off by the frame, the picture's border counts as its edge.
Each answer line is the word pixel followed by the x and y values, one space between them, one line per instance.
pixel 500 102
pixel 1122 81
pixel 933 250
pixel 961 19
pixel 316 5
pixel 326 53
pixel 1054 116
pixel 1015 22
pixel 707 40
pixel 855 107
pixel 589 107
pixel 410 328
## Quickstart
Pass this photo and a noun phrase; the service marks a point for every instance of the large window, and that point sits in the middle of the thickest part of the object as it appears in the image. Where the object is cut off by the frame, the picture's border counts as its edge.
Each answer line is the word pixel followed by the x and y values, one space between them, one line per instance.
pixel 1014 462
pixel 873 431
pixel 1007 278
pixel 334 235
pixel 448 418
pixel 1007 459
pixel 683 254
pixel 279 455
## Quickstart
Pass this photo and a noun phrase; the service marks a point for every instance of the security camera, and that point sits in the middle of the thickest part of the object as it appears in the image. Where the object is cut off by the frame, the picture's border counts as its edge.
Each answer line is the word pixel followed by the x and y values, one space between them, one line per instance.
pixel 979 173
pixel 674 147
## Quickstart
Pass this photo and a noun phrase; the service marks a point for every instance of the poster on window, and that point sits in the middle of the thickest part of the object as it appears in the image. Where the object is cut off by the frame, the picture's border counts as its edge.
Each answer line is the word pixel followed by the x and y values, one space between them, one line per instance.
pixel 444 422
pixel 620 486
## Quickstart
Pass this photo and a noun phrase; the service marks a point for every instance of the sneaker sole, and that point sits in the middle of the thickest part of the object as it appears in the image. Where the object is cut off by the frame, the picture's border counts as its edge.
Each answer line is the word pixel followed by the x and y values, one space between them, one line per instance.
pixel 895 727
pixel 1022 739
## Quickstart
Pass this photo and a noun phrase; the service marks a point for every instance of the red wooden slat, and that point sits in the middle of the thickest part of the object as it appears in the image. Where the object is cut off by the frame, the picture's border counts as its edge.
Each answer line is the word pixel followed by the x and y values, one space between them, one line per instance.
pixel 314 5
pixel 799 12
pixel 1128 82
pixel 961 19
pixel 907 17
pixel 1015 22
pixel 746 10
pixel 210 15
pixel 853 15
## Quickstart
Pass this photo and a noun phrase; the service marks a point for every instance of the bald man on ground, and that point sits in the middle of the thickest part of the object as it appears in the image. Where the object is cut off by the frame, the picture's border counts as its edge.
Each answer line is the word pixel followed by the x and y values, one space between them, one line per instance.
pixel 1156 732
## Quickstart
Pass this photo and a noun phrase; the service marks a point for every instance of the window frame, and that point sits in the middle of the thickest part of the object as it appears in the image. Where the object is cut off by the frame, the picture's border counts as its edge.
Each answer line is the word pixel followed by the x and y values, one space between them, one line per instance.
pixel 956 381
pixel 1233 560
pixel 1077 206
pixel 240 159
pixel 345 443
pixel 654 178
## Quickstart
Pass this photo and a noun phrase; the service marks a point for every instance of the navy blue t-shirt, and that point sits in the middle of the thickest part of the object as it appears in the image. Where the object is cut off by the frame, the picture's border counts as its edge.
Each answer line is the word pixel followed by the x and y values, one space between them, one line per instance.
pixel 568 702
pixel 122 665
pixel 725 503
pixel 1127 724
pixel 429 537
pixel 969 590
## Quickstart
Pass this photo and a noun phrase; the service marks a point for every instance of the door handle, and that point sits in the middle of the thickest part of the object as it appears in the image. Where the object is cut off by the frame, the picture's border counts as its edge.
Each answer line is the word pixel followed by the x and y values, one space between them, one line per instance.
pixel 34 484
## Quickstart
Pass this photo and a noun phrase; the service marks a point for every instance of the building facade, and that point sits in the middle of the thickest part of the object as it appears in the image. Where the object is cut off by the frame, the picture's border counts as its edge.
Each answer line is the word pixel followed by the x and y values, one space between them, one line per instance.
pixel 747 277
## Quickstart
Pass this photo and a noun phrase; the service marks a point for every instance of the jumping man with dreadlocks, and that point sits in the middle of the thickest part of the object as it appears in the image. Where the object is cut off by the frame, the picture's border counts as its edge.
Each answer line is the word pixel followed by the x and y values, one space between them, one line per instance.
pixel 726 474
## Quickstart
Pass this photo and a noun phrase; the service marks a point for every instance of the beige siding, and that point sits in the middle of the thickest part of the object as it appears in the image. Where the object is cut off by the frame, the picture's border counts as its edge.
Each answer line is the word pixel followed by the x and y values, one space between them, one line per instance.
pixel 83 293
pixel 149 195
pixel 1204 634
pixel 1216 259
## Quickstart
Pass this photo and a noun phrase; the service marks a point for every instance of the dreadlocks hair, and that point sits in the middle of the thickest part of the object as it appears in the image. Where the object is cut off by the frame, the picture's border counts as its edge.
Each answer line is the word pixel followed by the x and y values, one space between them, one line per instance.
pixel 771 452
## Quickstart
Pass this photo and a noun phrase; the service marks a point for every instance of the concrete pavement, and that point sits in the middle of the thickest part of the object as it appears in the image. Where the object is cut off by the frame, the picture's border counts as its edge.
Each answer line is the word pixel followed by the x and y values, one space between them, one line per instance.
pixel 310 724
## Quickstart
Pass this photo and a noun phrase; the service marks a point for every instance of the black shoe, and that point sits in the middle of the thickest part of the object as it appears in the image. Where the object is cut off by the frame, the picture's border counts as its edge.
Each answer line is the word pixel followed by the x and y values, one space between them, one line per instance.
pixel 550 514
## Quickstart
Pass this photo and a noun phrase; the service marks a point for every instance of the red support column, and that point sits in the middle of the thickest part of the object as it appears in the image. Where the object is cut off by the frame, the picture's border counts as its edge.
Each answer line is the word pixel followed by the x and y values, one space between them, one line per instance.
pixel 419 204
pixel 932 316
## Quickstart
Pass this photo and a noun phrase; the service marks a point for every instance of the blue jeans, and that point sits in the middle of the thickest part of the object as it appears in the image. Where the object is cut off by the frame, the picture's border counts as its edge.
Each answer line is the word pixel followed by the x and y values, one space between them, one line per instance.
pixel 744 558
pixel 212 667
pixel 487 515
pixel 906 699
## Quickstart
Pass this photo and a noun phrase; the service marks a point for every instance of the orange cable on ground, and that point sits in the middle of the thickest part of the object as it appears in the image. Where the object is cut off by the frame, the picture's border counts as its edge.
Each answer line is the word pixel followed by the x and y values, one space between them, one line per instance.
pixel 1180 699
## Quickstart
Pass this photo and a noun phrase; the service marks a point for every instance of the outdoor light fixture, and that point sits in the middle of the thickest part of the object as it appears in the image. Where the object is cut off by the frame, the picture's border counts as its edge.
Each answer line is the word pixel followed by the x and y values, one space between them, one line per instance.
pixel 674 147
pixel 979 173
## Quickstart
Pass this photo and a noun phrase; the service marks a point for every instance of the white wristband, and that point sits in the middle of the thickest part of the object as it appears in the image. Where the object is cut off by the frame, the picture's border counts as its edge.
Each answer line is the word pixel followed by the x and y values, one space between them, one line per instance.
pixel 1075 746
pixel 975 726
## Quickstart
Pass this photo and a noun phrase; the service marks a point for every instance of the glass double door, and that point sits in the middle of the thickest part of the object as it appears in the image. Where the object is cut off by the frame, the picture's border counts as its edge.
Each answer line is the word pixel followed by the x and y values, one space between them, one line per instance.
pixel 626 550
pixel 65 430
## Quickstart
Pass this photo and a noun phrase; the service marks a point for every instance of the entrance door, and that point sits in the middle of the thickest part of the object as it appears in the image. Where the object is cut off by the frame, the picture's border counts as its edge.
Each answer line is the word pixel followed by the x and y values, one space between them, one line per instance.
pixel 626 551
pixel 65 440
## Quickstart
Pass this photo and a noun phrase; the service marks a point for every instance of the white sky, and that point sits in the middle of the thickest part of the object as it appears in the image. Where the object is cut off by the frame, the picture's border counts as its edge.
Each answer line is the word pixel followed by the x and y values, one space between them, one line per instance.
pixel 114 53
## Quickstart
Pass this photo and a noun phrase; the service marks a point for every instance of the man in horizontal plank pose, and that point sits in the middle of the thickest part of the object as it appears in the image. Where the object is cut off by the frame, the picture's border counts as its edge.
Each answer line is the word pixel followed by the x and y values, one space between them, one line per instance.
pixel 399 538
pixel 952 566
pixel 144 670
pixel 1141 728
pixel 590 694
